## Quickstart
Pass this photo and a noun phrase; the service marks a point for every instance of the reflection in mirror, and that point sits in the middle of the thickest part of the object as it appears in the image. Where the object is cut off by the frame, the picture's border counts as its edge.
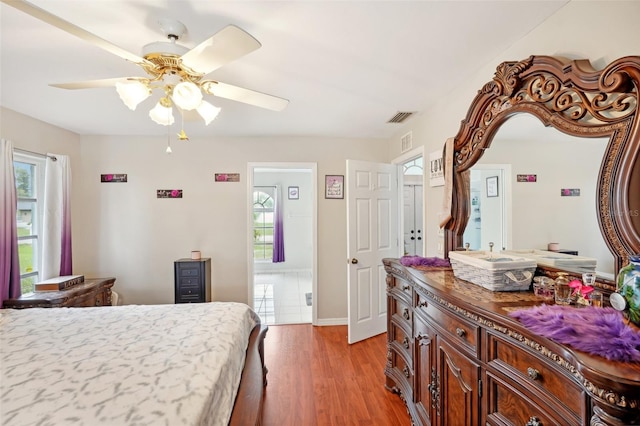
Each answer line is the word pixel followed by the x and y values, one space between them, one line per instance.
pixel 490 213
pixel 536 209
pixel 412 198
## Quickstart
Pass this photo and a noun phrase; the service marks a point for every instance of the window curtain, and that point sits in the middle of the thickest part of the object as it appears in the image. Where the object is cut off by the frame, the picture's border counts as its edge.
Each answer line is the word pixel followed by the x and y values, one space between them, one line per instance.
pixel 9 264
pixel 278 232
pixel 56 233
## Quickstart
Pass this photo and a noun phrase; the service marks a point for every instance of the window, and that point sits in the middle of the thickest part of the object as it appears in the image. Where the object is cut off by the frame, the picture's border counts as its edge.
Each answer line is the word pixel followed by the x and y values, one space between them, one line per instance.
pixel 263 215
pixel 29 174
pixel 413 167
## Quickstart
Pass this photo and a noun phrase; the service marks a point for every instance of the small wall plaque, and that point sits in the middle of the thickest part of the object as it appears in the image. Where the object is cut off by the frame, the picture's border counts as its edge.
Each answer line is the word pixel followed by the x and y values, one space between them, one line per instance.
pixel 527 178
pixel 294 193
pixel 334 186
pixel 169 193
pixel 570 192
pixel 113 178
pixel 227 177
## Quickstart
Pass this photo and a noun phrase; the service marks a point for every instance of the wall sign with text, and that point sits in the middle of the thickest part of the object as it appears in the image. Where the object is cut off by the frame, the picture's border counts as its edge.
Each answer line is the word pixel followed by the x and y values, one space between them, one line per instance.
pixel 113 178
pixel 169 193
pixel 436 169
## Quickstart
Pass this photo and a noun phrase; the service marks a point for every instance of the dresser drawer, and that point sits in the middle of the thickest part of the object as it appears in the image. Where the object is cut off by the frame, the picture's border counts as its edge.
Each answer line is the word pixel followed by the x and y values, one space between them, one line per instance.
pixel 401 311
pixel 459 330
pixel 401 338
pixel 185 271
pixel 189 282
pixel 533 372
pixel 401 287
pixel 402 372
pixel 508 405
pixel 189 292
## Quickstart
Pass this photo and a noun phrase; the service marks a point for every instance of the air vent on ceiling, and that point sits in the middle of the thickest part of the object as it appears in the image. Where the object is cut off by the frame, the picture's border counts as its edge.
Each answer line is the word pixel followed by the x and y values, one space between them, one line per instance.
pixel 400 117
pixel 407 142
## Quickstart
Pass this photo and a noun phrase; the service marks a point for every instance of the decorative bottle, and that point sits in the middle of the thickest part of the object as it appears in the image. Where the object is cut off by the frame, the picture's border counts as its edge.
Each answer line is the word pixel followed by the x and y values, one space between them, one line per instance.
pixel 627 295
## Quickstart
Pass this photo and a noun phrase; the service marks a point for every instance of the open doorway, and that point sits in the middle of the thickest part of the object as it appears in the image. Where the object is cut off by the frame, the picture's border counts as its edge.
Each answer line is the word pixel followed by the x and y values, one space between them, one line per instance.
pixel 282 242
pixel 413 206
pixel 490 214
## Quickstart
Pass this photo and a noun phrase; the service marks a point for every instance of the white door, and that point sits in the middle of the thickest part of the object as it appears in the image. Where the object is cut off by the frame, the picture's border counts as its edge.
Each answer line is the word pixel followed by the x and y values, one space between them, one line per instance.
pixel 372 227
pixel 413 238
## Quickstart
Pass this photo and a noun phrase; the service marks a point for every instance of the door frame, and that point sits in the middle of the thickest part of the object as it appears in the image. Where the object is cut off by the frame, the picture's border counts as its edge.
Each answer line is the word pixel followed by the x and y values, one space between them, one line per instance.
pixel 504 189
pixel 314 226
pixel 407 156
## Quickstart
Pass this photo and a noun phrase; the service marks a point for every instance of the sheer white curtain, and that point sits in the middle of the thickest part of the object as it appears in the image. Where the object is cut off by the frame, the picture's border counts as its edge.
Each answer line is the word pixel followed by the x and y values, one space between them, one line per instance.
pixel 56 233
pixel 9 264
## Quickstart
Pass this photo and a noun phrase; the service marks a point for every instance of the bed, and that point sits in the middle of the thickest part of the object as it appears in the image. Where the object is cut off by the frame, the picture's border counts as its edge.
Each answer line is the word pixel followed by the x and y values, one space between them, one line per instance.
pixel 183 364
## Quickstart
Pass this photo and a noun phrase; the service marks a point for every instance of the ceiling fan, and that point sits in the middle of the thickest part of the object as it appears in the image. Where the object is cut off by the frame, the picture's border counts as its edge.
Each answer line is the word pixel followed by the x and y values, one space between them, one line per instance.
pixel 169 66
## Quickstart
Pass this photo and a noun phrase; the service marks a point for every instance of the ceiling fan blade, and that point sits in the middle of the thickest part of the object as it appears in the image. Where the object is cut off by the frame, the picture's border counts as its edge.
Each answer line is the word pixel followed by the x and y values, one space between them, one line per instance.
pixel 247 96
pixel 60 23
pixel 94 84
pixel 227 45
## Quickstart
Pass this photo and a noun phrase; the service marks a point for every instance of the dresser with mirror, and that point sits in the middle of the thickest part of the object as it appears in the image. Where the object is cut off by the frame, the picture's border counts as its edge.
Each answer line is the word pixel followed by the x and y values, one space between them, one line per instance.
pixel 455 355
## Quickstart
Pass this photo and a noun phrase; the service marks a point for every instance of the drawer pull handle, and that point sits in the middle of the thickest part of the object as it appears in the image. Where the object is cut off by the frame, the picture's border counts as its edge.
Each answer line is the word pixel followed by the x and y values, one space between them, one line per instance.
pixel 405 287
pixel 533 421
pixel 533 373
pixel 423 304
pixel 405 343
pixel 460 332
pixel 405 314
pixel 405 370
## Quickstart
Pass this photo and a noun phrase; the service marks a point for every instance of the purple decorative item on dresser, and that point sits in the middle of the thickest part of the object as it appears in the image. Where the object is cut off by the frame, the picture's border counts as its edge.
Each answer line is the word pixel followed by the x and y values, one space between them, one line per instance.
pixel 598 331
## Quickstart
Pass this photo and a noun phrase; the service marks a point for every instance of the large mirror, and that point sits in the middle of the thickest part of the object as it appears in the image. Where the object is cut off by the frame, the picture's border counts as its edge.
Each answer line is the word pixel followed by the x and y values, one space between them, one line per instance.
pixel 545 193
pixel 571 98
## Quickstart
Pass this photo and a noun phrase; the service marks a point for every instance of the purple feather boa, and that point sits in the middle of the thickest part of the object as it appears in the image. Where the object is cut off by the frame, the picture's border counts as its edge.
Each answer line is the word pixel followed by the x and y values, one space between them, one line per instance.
pixel 598 331
pixel 425 261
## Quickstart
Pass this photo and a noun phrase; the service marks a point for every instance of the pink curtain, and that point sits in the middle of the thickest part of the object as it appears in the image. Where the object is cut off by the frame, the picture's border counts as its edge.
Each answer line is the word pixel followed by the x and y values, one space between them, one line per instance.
pixel 9 264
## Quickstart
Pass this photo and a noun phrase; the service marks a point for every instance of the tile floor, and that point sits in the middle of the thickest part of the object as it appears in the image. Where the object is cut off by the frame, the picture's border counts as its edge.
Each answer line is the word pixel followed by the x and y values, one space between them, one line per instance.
pixel 281 297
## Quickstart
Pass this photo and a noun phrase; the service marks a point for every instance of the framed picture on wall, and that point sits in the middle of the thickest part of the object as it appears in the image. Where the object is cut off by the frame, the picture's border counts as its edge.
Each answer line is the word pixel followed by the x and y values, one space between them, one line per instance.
pixel 492 186
pixel 294 193
pixel 334 186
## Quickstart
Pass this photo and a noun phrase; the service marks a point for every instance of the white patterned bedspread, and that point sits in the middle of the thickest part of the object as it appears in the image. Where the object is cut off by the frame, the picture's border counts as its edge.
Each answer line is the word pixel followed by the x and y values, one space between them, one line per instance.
pixel 123 365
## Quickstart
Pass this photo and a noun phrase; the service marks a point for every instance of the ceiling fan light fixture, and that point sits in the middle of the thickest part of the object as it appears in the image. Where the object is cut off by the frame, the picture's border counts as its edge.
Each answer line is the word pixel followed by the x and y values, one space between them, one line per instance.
pixel 132 93
pixel 208 112
pixel 187 95
pixel 162 113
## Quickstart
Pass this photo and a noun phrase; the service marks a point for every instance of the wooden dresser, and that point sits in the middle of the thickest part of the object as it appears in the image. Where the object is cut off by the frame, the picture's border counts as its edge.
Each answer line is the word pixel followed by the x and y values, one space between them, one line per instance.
pixel 457 358
pixel 92 292
pixel 192 280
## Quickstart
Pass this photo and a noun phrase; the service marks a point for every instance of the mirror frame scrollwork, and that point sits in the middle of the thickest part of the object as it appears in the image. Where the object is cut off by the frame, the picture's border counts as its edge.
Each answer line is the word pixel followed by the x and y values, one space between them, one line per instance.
pixel 574 98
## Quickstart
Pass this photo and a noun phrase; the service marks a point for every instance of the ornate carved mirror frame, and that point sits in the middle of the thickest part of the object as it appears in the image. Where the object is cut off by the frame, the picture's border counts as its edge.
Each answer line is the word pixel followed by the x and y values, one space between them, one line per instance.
pixel 574 98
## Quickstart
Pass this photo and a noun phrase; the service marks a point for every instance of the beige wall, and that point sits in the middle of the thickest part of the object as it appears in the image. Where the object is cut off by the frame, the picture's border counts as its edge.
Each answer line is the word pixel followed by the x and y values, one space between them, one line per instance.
pixel 123 230
pixel 601 31
pixel 130 234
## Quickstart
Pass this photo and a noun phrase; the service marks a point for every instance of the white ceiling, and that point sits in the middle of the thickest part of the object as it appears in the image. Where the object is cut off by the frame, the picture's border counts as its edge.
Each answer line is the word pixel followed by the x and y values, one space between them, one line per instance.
pixel 346 66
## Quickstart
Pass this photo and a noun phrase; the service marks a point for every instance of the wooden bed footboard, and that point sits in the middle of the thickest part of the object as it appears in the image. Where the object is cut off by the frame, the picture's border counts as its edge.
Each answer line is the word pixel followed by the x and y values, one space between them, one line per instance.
pixel 247 409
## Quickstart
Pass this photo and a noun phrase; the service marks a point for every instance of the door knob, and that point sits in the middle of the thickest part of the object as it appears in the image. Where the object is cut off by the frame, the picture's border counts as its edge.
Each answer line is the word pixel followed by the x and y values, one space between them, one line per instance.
pixel 354 260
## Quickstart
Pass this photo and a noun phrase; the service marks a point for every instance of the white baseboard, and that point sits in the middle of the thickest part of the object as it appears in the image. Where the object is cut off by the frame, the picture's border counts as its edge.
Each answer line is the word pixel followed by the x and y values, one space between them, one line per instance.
pixel 331 321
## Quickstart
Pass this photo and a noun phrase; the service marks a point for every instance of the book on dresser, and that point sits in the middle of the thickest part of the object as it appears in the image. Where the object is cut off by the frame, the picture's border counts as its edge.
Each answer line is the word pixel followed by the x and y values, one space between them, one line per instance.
pixel 58 283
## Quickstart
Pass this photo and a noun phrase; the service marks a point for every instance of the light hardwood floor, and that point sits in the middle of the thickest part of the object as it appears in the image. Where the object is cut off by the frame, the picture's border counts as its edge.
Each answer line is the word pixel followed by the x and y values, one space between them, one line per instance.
pixel 317 378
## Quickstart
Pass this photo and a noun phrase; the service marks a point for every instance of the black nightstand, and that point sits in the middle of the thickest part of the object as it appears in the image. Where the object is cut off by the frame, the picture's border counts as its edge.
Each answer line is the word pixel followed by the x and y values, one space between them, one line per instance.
pixel 192 280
